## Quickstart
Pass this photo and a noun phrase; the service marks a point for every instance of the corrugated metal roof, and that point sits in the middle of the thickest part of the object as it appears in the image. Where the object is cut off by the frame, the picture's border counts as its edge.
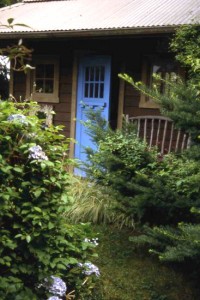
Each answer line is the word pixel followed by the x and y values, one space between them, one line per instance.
pixel 90 15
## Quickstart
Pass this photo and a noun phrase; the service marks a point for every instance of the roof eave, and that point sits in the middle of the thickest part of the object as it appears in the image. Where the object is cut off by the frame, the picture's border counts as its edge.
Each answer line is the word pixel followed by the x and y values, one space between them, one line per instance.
pixel 89 32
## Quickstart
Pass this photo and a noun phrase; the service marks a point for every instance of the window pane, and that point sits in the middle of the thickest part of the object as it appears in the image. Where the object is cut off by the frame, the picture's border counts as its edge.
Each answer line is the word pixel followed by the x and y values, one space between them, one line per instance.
pixel 39 86
pixel 44 78
pixel 48 86
pixel 166 70
pixel 49 71
pixel 40 71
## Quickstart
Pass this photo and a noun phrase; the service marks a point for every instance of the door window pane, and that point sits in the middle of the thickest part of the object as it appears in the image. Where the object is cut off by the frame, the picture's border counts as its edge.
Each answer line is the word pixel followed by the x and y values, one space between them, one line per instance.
pixel 86 94
pixel 102 73
pixel 94 82
pixel 101 90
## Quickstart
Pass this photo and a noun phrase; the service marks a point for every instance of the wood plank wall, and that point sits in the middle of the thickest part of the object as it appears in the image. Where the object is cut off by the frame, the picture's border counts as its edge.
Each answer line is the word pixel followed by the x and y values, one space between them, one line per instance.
pixel 128 53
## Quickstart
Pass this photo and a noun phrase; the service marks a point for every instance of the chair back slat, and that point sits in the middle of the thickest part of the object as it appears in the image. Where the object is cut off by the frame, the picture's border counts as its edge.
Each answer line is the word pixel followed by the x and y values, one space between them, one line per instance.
pixel 160 131
pixel 164 136
pixel 188 142
pixel 145 129
pixel 138 131
pixel 183 142
pixel 152 132
pixel 177 140
pixel 171 137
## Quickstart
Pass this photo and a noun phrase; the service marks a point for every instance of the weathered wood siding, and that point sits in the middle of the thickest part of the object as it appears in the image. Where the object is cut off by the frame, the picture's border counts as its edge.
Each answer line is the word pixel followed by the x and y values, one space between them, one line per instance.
pixel 126 52
pixel 19 85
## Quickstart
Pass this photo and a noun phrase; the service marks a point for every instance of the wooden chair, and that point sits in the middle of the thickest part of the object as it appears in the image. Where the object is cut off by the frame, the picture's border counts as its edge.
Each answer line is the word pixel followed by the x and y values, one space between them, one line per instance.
pixel 159 131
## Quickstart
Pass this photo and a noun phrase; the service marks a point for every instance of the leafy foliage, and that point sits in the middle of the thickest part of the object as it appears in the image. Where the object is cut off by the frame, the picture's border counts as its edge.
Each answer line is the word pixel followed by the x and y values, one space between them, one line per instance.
pixel 4 81
pixel 182 105
pixel 160 192
pixel 18 54
pixel 186 44
pixel 118 158
pixel 35 240
pixel 7 2
pixel 146 188
pixel 172 244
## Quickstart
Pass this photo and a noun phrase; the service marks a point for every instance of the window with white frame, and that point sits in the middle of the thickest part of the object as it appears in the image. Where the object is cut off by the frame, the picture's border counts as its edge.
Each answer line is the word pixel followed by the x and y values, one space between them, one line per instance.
pixel 166 68
pixel 46 79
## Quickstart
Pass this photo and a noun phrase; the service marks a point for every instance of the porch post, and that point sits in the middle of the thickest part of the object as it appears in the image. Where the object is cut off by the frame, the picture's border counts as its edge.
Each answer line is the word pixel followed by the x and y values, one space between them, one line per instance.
pixel 73 105
pixel 121 99
pixel 11 82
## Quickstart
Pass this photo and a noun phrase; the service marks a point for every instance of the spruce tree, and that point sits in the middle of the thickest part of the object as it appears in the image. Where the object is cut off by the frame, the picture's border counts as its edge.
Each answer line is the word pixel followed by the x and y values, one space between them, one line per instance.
pixel 182 105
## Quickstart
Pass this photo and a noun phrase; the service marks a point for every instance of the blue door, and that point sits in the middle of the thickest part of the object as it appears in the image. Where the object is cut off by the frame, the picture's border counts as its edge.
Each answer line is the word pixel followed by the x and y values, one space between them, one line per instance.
pixel 93 92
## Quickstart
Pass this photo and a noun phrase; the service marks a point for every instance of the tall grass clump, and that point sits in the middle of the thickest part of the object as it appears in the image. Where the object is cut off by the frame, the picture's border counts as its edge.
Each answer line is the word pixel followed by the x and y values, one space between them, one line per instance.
pixel 94 203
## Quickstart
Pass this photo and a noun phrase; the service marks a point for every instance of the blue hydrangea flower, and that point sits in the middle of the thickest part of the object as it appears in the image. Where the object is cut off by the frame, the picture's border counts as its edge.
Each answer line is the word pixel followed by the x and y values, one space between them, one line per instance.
pixel 37 153
pixel 89 269
pixel 19 118
pixel 54 298
pixel 57 287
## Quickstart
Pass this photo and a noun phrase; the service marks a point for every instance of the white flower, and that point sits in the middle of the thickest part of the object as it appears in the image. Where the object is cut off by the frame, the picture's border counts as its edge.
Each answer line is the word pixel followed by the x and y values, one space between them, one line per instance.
pixel 17 117
pixel 93 241
pixel 31 135
pixel 86 240
pixel 54 298
pixel 37 153
pixel 89 269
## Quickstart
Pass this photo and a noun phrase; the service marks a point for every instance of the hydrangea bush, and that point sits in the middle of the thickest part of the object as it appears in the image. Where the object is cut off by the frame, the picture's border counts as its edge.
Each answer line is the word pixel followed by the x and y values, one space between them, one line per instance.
pixel 36 243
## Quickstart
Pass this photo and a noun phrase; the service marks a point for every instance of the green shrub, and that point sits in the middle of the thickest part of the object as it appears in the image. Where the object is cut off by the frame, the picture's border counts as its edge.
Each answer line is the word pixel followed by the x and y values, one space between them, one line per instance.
pixel 147 189
pixel 35 240
pixel 179 180
pixel 118 162
pixel 174 190
pixel 173 244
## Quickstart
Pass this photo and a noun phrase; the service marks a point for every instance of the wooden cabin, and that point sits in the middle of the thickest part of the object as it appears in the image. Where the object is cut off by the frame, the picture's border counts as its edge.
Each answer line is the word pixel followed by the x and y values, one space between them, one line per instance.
pixel 80 47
